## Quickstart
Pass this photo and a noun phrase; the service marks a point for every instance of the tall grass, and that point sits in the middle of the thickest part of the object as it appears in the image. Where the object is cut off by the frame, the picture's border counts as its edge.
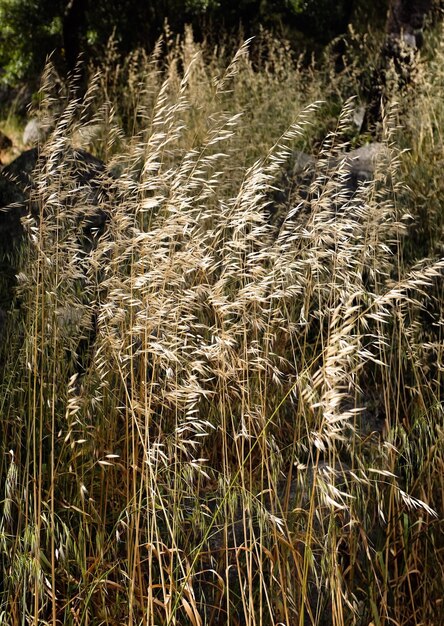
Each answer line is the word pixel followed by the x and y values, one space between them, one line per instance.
pixel 212 416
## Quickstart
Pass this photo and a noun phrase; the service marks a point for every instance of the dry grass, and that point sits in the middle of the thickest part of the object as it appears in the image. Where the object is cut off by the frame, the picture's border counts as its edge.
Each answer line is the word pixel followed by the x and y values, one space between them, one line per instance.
pixel 189 390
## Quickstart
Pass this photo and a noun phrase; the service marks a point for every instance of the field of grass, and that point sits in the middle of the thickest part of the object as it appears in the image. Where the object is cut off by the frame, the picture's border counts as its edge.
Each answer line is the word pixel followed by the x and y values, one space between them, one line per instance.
pixel 221 401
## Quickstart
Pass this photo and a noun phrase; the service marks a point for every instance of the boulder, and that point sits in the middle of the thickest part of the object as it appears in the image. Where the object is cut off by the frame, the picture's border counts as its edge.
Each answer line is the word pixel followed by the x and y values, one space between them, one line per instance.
pixel 301 163
pixel 12 203
pixel 85 180
pixel 89 178
pixel 362 162
pixel 359 117
pixel 20 170
pixel 81 171
pixel 12 207
pixel 34 133
pixel 15 182
pixel 86 184
pixel 296 184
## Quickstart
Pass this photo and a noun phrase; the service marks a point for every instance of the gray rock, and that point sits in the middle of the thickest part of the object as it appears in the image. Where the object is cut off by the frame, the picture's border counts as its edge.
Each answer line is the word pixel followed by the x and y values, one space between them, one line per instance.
pixel 12 202
pixel 82 173
pixel 80 168
pixel 358 117
pixel 409 40
pixel 12 206
pixel 362 162
pixel 303 170
pixel 359 165
pixel 15 180
pixel 85 136
pixel 20 170
pixel 302 162
pixel 34 132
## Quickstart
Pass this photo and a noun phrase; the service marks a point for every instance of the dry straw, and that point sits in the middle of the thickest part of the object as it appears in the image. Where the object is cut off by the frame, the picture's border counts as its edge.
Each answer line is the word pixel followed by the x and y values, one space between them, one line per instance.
pixel 189 380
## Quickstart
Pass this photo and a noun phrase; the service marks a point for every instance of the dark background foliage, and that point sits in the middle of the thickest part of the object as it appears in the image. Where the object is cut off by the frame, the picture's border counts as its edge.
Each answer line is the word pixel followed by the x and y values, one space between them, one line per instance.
pixel 30 30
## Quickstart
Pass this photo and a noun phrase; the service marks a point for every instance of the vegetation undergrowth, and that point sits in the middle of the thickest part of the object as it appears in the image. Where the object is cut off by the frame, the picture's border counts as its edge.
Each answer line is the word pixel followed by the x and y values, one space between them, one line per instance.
pixel 210 414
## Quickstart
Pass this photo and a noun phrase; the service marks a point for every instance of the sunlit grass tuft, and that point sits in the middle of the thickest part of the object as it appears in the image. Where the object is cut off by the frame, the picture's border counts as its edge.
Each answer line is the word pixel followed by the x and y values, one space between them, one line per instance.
pixel 191 388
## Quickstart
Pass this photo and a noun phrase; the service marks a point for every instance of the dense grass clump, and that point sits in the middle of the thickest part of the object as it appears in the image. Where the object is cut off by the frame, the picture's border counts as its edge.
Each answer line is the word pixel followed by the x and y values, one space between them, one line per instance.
pixel 214 410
